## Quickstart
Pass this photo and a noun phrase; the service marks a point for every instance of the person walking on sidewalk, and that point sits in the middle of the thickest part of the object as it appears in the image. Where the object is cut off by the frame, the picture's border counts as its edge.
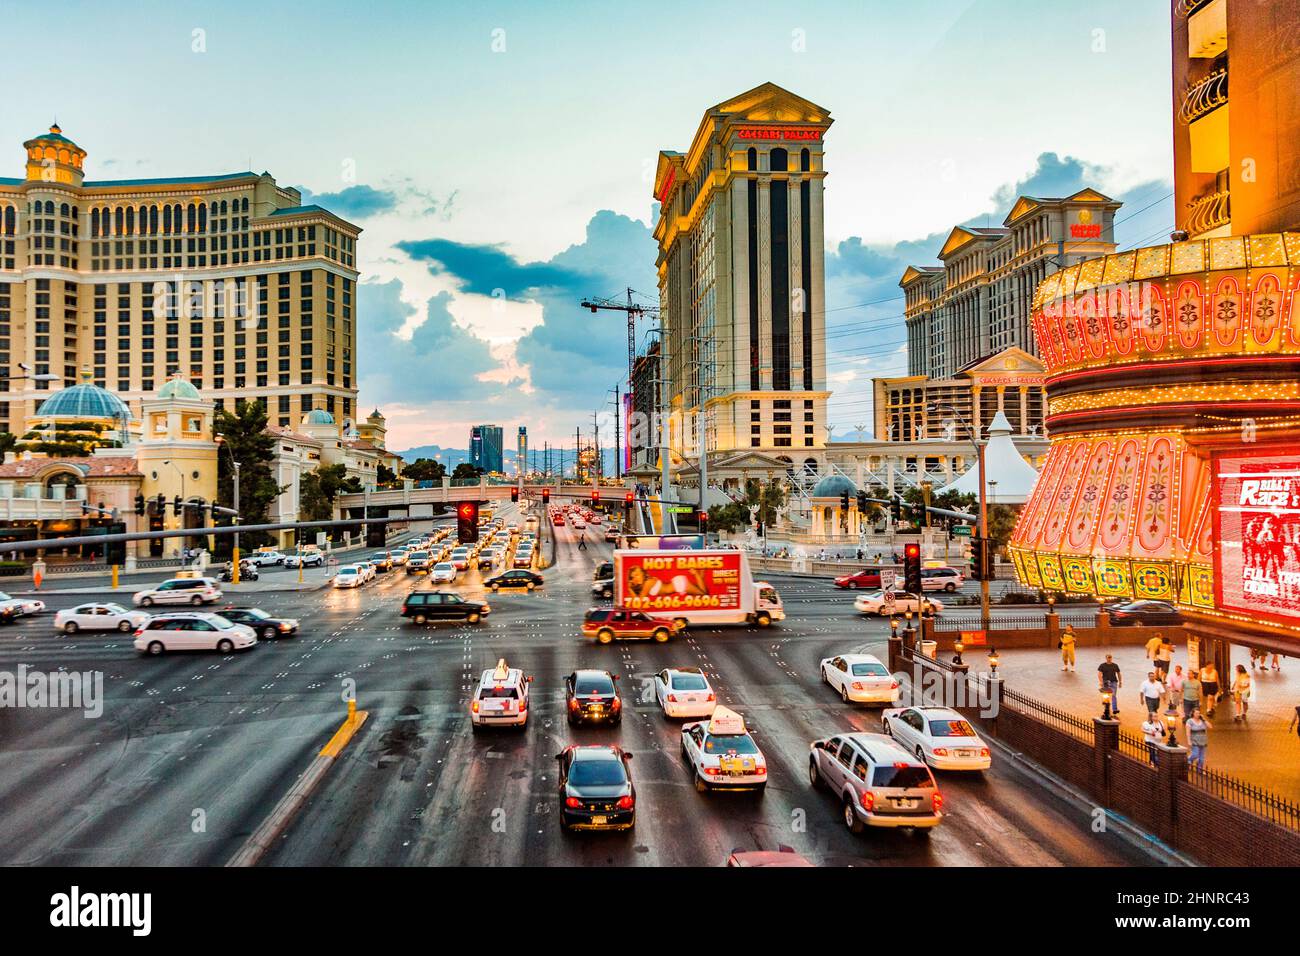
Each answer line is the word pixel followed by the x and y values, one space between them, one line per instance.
pixel 1176 681
pixel 1191 695
pixel 1151 692
pixel 1067 645
pixel 1242 690
pixel 1295 721
pixel 1153 647
pixel 1210 687
pixel 1164 657
pixel 1153 732
pixel 1110 680
pixel 1198 736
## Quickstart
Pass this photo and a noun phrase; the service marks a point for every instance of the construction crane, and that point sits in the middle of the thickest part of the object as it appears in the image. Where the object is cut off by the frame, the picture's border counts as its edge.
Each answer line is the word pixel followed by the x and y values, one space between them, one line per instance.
pixel 634 310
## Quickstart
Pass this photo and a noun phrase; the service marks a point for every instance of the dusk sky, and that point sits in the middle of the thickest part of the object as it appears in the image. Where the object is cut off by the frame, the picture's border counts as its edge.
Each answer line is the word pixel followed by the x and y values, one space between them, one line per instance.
pixel 499 155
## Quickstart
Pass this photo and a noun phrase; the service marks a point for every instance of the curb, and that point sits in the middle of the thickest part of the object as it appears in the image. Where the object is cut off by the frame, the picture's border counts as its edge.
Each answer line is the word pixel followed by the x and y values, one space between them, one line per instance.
pixel 255 847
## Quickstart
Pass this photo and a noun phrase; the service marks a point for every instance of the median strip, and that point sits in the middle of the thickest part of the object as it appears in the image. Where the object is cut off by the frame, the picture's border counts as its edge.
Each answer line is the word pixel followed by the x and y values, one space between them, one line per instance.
pixel 255 847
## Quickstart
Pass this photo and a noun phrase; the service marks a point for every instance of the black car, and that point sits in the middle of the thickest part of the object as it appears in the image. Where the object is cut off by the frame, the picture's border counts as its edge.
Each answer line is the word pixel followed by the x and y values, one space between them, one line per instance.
pixel 518 578
pixel 591 697
pixel 266 626
pixel 424 607
pixel 1144 612
pixel 603 570
pixel 596 791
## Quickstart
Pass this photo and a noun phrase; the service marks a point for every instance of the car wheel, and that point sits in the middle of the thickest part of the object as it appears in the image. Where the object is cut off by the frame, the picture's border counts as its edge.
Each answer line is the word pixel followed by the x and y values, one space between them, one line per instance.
pixel 844 694
pixel 419 619
pixel 125 627
pixel 269 632
pixel 826 678
pixel 763 619
pixel 225 645
pixel 70 627
pixel 605 635
pixel 156 648
pixel 472 617
pixel 814 778
pixel 853 585
pixel 661 635
pixel 851 821
pixel 196 600
pixel 146 602
pixel 496 587
pixel 700 785
pixel 950 587
pixel 531 585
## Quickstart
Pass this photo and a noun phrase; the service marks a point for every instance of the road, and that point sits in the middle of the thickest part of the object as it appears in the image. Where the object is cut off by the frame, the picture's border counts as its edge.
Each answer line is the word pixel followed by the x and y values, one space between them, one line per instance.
pixel 193 751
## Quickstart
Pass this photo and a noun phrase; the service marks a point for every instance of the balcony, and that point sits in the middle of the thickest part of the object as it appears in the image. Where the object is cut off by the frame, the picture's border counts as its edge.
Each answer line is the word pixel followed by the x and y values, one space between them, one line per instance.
pixel 1204 97
pixel 1207 27
pixel 1185 8
pixel 1207 213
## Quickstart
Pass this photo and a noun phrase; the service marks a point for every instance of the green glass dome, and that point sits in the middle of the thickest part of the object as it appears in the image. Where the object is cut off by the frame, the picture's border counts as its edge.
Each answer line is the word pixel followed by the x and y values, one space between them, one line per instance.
pixel 832 486
pixel 178 388
pixel 318 416
pixel 83 401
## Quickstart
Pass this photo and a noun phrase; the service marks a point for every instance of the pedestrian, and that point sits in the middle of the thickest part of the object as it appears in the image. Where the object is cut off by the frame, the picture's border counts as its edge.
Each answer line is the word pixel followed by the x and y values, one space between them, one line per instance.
pixel 582 543
pixel 1191 695
pixel 1241 692
pixel 1198 736
pixel 1210 687
pixel 1151 691
pixel 1295 721
pixel 1176 681
pixel 859 555
pixel 1277 662
pixel 1110 680
pixel 1153 646
pixel 1067 644
pixel 1153 732
pixel 1164 657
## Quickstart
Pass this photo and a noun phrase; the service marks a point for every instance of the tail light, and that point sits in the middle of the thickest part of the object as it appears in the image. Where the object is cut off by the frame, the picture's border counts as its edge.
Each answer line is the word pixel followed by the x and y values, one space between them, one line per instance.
pixel 138 632
pixel 984 751
pixel 672 698
pixel 760 771
pixel 938 801
pixel 858 685
pixel 941 751
pixel 573 803
pixel 474 707
pixel 573 704
pixel 893 685
pixel 868 800
pixel 523 705
pixel 712 771
pixel 616 705
pixel 710 699
pixel 626 803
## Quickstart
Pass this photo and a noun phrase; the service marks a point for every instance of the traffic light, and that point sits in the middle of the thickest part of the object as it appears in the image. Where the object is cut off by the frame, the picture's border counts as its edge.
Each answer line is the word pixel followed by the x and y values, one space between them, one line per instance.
pixel 895 511
pixel 514 494
pixel 115 551
pixel 627 501
pixel 863 504
pixel 595 498
pixel 704 522
pixel 844 501
pixel 912 568
pixel 546 495
pixel 981 562
pixel 376 535
pixel 178 506
pixel 467 522
pixel 139 504
pixel 160 505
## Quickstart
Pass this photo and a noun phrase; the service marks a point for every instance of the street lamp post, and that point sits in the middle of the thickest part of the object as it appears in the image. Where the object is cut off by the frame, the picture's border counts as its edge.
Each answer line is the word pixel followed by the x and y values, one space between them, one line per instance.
pixel 234 550
pixel 980 445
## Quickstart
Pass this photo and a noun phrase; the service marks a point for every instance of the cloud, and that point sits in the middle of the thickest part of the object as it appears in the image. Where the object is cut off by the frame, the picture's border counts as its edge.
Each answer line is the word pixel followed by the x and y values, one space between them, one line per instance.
pixel 354 202
pixel 487 269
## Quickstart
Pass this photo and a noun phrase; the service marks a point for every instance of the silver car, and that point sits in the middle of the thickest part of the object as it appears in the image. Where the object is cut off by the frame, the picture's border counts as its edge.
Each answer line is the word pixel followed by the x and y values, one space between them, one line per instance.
pixel 876 782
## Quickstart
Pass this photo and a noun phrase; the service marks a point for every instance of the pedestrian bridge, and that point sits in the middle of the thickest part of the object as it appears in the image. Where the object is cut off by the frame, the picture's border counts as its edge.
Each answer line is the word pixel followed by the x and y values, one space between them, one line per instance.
pixel 412 500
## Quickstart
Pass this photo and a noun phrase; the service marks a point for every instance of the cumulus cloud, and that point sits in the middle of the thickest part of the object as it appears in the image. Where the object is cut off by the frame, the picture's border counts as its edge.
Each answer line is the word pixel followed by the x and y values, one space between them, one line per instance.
pixel 354 202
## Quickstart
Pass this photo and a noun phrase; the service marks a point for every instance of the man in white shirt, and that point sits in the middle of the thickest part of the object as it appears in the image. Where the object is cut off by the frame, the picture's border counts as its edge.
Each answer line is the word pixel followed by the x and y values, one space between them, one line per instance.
pixel 1153 732
pixel 1152 690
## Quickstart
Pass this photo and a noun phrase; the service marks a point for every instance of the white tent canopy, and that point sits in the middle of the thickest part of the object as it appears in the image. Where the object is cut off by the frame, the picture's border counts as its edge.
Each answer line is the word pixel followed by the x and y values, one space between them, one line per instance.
pixel 1009 477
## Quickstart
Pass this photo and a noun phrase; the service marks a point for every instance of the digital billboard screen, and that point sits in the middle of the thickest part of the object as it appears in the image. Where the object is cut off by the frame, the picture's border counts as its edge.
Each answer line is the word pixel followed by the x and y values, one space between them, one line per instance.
pixel 1257 535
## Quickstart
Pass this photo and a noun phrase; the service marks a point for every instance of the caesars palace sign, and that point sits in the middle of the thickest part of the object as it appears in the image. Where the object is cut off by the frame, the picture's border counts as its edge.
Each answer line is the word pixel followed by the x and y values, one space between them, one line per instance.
pixel 801 133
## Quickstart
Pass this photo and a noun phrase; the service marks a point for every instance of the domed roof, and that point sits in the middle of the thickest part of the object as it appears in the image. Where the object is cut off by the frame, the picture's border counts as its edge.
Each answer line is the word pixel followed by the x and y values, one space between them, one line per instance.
pixel 178 388
pixel 85 400
pixel 832 486
pixel 318 416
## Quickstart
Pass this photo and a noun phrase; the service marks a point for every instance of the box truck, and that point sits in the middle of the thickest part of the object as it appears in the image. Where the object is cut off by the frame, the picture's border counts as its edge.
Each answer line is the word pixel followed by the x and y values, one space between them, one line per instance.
pixel 694 586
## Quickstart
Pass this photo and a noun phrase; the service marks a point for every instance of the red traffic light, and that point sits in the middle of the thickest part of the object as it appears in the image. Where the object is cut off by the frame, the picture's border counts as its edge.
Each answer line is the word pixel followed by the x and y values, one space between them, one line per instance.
pixel 546 494
pixel 628 498
pixel 595 497
pixel 468 509
pixel 912 550
pixel 514 494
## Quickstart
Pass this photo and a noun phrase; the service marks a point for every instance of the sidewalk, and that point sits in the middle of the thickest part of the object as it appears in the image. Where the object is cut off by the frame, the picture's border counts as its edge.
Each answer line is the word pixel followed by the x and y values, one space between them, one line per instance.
pixel 1262 752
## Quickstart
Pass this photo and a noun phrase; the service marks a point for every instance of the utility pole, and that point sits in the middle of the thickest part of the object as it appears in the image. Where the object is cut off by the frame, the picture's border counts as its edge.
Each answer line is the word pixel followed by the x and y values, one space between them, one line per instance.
pixel 577 452
pixel 618 439
pixel 597 466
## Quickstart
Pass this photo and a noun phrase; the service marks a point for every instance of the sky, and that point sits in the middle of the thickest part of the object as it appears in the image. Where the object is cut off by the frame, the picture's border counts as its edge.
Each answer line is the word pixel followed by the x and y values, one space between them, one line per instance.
pixel 500 156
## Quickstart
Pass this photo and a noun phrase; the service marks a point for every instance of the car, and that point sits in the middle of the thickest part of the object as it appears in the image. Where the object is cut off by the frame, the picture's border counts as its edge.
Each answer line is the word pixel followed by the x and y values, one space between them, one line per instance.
pixel 179 591
pixel 887 603
pixel 785 856
pixel 513 527
pixel 523 559
pixel 424 607
pixel 577 523
pixel 607 623
pixel 866 578
pixel 348 576
pixel 594 519
pixel 400 556
pixel 876 782
pixel 1158 613
pixel 611 533
pixel 266 626
pixel 939 736
pixel 417 562
pixel 603 570
pixel 461 558
pixel 266 558
pixel 382 560
pixel 603 587
pixel 684 692
pixel 192 632
pixel 305 559
pixel 443 571
pixel 558 520
pixel 860 678
pixel 501 698
pixel 368 571
pixel 98 617
pixel 941 579
pixel 722 754
pixel 596 791
pixel 21 606
pixel 517 578
pixel 590 696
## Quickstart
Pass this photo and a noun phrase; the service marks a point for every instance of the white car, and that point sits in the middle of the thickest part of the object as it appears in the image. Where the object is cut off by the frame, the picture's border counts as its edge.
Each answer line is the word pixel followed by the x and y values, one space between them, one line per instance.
pixel 193 591
pixel 399 556
pixel 578 523
pixel 860 678
pixel 939 736
pixel 309 559
pixel 888 603
pixel 722 754
pixel 501 698
pixel 368 570
pixel 98 617
pixel 684 692
pixel 941 579
pixel 349 576
pixel 192 632
pixel 263 558
pixel 443 571
pixel 21 605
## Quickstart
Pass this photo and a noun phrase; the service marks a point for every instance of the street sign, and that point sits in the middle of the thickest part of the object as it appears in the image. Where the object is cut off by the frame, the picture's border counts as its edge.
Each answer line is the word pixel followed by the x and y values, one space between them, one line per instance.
pixel 320 539
pixel 681 509
pixel 962 530
pixel 887 576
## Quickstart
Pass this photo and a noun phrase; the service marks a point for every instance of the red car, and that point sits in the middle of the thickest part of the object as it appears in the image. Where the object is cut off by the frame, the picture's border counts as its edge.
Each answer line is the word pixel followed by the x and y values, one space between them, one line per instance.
pixel 865 578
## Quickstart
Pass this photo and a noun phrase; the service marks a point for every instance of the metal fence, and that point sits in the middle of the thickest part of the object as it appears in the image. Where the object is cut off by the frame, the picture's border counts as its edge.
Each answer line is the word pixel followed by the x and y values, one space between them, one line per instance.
pixel 967 618
pixel 1248 796
pixel 1052 716
pixel 1133 745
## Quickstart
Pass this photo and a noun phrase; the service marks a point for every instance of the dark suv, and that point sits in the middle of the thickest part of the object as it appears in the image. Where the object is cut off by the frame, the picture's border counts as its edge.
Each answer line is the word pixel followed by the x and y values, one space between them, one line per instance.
pixel 424 607
pixel 591 697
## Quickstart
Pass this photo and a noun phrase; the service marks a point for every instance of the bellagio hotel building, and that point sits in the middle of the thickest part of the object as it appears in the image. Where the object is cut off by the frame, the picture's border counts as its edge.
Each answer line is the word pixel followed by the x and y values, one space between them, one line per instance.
pixel 741 279
pixel 226 279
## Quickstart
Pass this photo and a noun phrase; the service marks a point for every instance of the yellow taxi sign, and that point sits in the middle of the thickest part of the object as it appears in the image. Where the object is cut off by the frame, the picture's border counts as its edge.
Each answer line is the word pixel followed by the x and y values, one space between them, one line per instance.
pixel 726 722
pixel 502 671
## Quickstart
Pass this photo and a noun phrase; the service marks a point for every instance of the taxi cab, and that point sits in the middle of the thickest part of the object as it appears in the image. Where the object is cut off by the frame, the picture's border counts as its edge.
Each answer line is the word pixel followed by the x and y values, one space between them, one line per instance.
pixel 501 698
pixel 722 754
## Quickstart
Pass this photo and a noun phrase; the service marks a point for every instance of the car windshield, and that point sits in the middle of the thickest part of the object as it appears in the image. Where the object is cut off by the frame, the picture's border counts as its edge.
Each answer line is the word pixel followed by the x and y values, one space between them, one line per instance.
pixel 905 776
pixel 346 571
pixel 730 743
pixel 599 684
pixel 869 670
pixel 597 773
pixel 255 612
pixel 419 555
pixel 443 566
pixel 220 622
pixel 950 728
pixel 688 682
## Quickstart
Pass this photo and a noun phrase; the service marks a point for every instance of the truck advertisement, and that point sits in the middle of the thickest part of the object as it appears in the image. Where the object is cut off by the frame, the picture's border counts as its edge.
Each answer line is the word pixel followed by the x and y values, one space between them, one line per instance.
pixel 701 586
pixel 1257 532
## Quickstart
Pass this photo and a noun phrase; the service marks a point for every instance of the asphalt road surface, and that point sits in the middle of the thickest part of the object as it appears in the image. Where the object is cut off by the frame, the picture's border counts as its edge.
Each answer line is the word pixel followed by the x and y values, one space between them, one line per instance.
pixel 193 751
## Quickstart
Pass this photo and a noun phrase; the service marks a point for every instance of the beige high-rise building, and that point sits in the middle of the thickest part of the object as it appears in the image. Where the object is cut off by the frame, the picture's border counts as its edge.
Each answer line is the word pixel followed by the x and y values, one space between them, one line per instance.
pixel 741 279
pixel 227 279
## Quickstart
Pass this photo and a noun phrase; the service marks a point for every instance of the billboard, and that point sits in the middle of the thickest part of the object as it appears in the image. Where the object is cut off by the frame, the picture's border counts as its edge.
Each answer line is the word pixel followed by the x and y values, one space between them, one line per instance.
pixel 1257 535
pixel 707 580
